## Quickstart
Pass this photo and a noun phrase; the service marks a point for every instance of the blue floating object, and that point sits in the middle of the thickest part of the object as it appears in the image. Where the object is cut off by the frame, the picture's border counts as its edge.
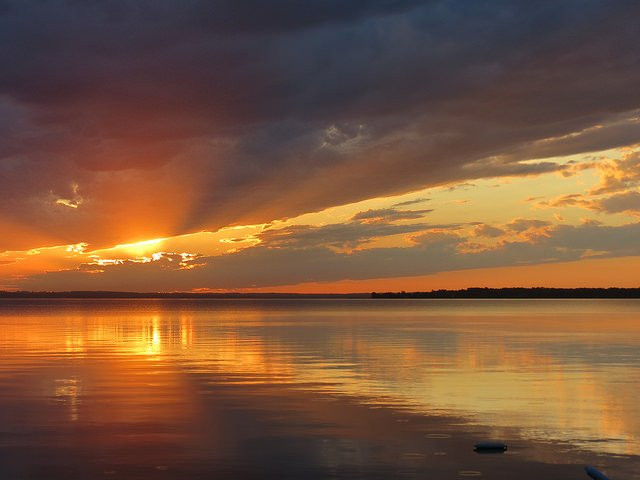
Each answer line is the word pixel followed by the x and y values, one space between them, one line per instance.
pixel 594 473
pixel 490 447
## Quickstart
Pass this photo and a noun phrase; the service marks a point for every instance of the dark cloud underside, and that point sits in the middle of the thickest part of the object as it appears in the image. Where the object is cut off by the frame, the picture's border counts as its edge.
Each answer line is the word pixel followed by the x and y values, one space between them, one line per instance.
pixel 156 118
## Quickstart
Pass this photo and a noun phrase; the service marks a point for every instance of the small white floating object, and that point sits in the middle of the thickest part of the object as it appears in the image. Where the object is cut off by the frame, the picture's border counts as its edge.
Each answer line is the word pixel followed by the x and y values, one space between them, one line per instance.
pixel 490 447
pixel 594 473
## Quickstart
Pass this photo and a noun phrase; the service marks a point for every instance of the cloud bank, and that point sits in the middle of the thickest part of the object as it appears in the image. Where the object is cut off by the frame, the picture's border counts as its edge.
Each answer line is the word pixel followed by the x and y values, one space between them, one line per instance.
pixel 318 254
pixel 122 121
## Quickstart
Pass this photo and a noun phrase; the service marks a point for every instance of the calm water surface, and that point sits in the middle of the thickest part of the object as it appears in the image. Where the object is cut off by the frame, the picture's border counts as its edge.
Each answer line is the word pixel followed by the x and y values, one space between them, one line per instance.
pixel 318 388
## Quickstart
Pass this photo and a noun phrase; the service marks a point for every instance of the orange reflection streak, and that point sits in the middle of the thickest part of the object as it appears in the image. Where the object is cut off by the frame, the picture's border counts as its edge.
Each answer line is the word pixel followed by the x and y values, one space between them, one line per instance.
pixel 68 391
pixel 186 331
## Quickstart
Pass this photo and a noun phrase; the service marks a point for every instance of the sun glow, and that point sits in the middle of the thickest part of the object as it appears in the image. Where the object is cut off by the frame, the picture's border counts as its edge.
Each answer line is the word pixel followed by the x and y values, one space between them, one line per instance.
pixel 138 248
pixel 154 241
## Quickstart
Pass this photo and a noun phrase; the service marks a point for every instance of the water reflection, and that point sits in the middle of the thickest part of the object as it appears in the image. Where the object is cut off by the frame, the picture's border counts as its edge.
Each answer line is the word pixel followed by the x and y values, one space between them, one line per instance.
pixel 205 384
pixel 67 390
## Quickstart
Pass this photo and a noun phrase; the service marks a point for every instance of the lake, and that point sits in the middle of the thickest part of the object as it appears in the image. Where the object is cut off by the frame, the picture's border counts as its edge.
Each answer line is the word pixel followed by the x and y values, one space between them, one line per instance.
pixel 310 389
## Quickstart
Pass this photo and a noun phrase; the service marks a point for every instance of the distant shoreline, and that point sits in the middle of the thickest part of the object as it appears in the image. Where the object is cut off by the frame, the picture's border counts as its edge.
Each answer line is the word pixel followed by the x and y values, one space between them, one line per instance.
pixel 176 295
pixel 536 292
pixel 467 293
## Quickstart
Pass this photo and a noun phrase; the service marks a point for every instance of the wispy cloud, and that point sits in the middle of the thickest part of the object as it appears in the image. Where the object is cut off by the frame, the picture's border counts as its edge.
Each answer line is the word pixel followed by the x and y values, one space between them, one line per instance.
pixel 407 203
pixel 384 215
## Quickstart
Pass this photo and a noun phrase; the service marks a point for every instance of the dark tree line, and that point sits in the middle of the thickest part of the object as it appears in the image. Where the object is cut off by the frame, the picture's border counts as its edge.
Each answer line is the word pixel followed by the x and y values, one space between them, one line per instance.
pixel 537 292
pixel 169 295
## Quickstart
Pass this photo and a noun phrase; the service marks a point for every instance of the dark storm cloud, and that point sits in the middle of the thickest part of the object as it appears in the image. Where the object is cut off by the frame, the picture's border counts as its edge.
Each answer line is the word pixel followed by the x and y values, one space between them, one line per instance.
pixel 177 116
pixel 257 16
pixel 617 132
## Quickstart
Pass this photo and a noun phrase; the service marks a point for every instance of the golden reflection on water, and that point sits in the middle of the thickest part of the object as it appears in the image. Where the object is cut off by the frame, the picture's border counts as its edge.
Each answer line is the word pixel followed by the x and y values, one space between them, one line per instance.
pixel 67 390
pixel 555 375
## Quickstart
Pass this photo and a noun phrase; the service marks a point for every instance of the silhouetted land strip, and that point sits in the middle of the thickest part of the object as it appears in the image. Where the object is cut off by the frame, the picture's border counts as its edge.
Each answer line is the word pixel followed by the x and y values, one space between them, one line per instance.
pixel 178 295
pixel 538 292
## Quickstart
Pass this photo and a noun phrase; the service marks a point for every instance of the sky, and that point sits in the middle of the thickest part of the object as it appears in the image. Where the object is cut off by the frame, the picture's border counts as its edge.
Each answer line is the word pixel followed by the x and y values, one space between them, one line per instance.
pixel 320 146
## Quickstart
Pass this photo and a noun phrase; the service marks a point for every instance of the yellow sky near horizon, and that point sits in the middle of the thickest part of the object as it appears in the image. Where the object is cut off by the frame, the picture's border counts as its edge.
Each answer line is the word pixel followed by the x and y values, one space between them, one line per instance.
pixel 483 216
pixel 618 272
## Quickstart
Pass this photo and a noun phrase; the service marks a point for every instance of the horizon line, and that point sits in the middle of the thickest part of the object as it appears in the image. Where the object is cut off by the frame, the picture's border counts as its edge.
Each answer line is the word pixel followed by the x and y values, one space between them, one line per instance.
pixel 470 292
